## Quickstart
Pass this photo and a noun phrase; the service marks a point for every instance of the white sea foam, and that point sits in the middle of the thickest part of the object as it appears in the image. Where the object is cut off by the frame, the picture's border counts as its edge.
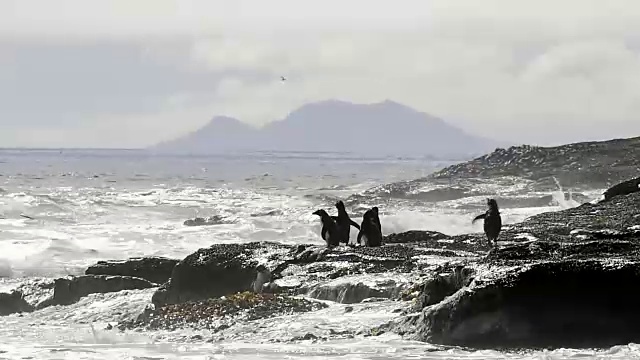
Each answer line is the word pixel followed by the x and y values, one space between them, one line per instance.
pixel 88 208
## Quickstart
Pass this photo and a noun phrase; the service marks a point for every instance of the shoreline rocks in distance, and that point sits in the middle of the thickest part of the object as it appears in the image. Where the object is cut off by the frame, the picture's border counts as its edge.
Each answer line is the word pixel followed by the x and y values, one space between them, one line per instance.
pixel 209 221
pixel 595 164
pixel 523 175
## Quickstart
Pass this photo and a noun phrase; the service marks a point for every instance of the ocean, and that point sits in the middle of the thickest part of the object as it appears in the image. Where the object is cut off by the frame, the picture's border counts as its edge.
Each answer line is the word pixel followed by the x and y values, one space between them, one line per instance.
pixel 82 206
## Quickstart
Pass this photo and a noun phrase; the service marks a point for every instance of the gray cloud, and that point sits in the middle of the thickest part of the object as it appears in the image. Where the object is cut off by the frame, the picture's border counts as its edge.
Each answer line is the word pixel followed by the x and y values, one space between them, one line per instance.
pixel 132 73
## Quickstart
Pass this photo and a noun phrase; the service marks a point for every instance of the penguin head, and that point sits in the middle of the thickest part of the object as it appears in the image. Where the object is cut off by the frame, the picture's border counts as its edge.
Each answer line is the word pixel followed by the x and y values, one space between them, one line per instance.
pixel 375 210
pixel 340 205
pixel 320 212
pixel 261 268
pixel 492 204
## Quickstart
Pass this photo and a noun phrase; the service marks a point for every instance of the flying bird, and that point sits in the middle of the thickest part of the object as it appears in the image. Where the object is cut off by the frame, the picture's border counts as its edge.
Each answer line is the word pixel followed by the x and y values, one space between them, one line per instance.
pixel 282 78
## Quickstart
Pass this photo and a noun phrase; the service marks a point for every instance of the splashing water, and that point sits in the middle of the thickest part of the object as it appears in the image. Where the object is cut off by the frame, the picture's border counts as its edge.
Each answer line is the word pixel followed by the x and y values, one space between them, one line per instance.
pixel 558 197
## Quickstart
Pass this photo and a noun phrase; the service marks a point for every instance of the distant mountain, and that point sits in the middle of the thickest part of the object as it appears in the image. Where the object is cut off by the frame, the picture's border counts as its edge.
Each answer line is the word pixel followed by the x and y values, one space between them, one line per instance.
pixel 385 128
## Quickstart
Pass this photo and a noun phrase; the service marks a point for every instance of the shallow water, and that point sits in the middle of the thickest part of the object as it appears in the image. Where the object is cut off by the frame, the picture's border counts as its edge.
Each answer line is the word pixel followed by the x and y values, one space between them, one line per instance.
pixel 93 205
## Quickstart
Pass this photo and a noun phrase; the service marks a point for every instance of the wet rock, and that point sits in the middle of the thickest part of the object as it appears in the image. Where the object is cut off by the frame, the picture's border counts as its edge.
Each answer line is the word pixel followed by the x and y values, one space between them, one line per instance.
pixel 36 290
pixel 221 269
pixel 220 313
pixel 349 293
pixel 414 236
pixel 155 269
pixel 305 337
pixel 548 304
pixel 225 269
pixel 13 302
pixel 624 188
pixel 610 219
pixel 442 285
pixel 69 290
pixel 571 286
pixel 212 220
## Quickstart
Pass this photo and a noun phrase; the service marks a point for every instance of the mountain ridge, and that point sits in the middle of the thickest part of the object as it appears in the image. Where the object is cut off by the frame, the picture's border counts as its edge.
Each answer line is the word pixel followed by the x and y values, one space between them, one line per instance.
pixel 338 126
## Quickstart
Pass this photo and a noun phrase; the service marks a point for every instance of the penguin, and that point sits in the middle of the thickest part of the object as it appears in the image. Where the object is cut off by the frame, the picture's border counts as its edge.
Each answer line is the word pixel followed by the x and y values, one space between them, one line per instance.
pixel 492 221
pixel 371 229
pixel 330 232
pixel 344 223
pixel 263 276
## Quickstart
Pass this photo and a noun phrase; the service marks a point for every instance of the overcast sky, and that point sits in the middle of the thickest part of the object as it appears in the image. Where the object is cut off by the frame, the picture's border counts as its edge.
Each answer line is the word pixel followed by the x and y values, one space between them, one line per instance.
pixel 123 73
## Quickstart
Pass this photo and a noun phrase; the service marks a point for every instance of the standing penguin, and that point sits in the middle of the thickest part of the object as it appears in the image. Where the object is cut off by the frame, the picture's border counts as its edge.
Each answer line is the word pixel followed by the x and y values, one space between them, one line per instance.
pixel 371 229
pixel 329 232
pixel 344 222
pixel 492 221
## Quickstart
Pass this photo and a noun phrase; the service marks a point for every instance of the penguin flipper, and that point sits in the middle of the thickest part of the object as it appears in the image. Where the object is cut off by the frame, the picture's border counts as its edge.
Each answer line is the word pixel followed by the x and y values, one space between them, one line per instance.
pixel 359 237
pixel 479 217
pixel 354 224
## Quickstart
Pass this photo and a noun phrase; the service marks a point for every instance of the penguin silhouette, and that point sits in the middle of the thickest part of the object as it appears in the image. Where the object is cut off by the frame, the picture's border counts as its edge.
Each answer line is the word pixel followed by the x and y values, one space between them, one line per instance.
pixel 344 223
pixel 371 229
pixel 492 221
pixel 329 232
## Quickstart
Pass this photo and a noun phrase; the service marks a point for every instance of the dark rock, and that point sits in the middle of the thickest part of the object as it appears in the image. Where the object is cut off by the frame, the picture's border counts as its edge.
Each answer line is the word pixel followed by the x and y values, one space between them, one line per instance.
pixel 624 188
pixel 414 236
pixel 221 269
pixel 154 269
pixel 225 269
pixel 221 313
pixel 618 216
pixel 569 287
pixel 595 164
pixel 349 293
pixel 305 337
pixel 35 291
pixel 548 304
pixel 588 165
pixel 442 285
pixel 212 220
pixel 433 240
pixel 13 303
pixel 69 290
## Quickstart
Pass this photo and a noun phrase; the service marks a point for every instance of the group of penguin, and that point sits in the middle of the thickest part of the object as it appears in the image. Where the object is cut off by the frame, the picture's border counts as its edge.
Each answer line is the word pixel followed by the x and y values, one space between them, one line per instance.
pixel 336 229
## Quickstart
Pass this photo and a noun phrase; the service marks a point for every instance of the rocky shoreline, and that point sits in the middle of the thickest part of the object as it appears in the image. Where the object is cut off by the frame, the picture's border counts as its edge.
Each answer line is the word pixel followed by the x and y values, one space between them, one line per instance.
pixel 557 279
pixel 596 164
pixel 522 176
